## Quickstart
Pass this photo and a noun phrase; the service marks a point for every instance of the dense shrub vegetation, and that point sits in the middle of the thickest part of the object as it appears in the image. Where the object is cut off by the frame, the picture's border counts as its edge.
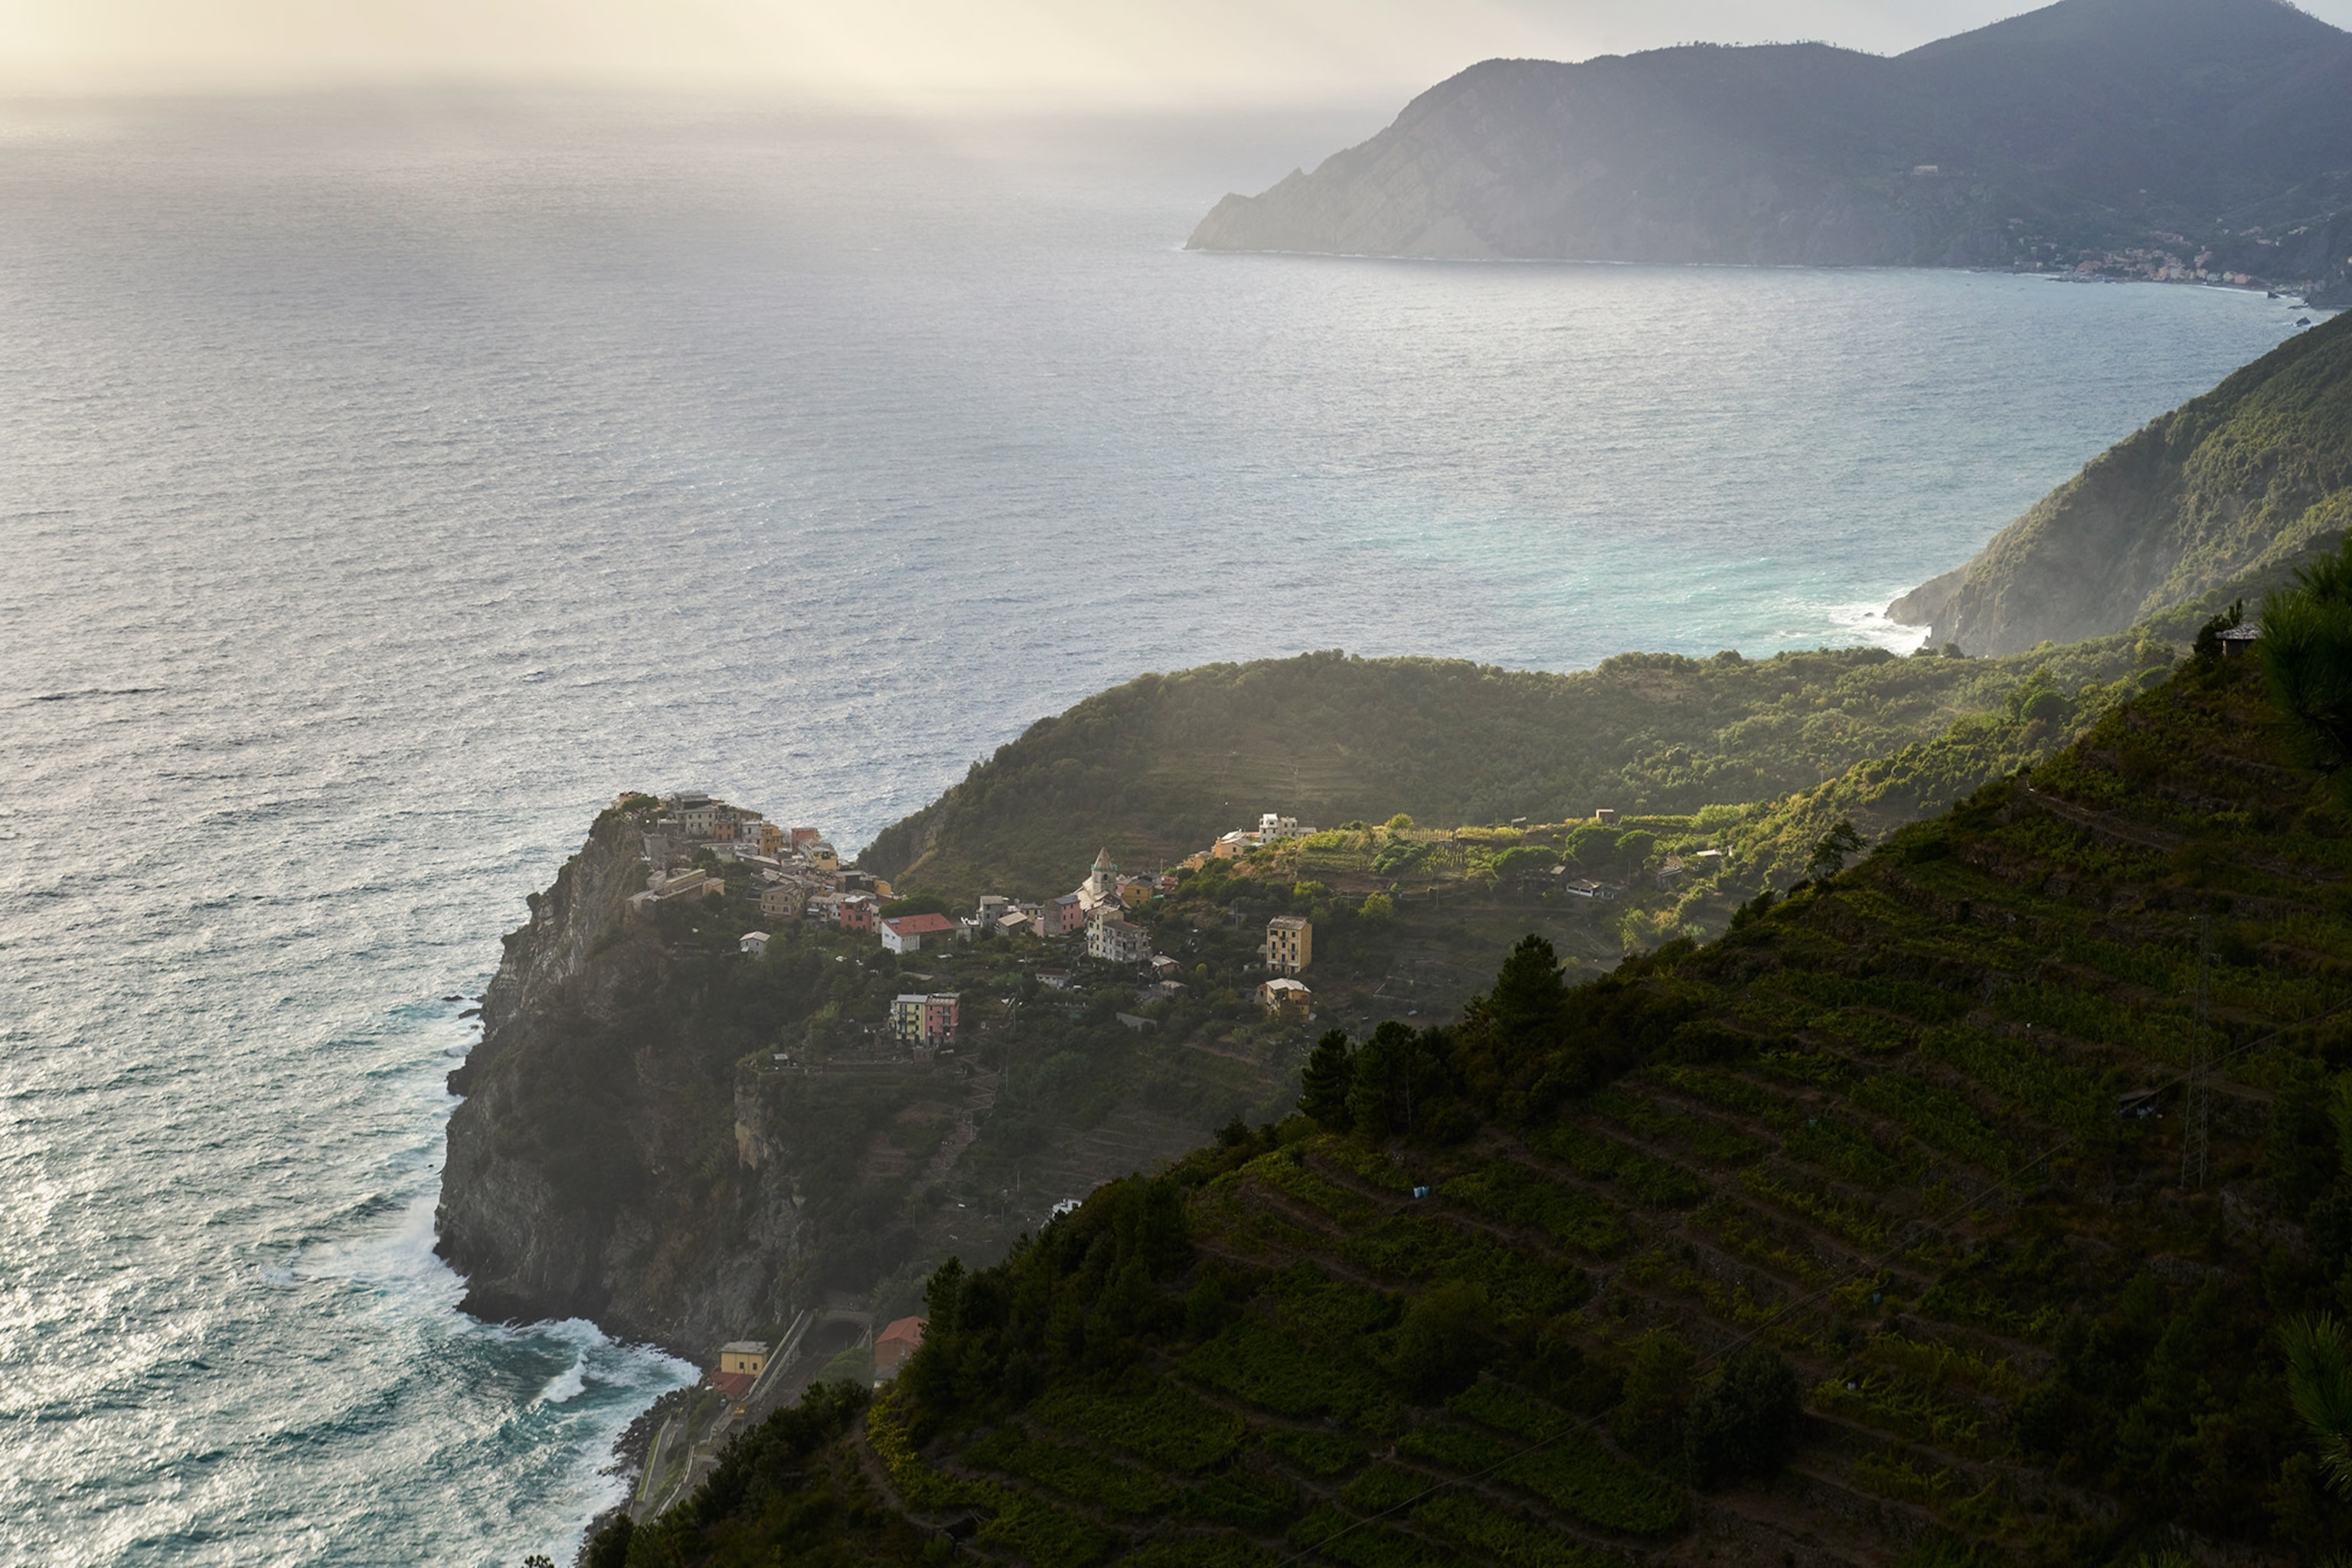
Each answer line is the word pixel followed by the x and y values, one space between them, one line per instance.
pixel 1149 768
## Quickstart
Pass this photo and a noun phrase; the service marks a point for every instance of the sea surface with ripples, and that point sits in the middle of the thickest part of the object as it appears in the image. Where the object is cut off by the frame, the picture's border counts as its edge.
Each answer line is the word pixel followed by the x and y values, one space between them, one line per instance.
pixel 384 484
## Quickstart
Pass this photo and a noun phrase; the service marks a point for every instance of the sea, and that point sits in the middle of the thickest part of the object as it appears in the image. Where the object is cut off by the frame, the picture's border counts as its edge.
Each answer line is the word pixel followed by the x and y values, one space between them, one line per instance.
pixel 387 481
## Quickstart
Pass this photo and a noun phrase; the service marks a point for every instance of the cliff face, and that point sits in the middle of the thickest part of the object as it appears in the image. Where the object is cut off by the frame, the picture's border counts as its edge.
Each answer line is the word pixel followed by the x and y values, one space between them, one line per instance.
pixel 633 1150
pixel 580 1180
pixel 2088 124
pixel 2237 484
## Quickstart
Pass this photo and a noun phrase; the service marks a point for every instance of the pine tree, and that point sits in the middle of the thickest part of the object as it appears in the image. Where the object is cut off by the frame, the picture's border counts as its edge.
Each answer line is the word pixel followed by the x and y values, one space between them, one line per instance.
pixel 1323 1087
pixel 1527 1005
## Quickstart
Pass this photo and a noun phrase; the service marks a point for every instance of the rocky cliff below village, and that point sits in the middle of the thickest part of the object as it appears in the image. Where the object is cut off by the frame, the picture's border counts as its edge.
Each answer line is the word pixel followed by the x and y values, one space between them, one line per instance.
pixel 592 1168
pixel 688 1144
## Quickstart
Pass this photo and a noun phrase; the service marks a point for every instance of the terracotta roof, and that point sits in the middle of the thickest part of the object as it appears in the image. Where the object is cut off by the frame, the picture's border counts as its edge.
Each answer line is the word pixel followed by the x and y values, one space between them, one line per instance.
pixel 907 1329
pixel 919 925
pixel 733 1384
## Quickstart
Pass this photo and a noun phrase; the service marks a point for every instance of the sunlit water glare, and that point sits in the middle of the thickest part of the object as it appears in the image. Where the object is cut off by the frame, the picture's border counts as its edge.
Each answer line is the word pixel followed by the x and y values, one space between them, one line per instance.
pixel 382 486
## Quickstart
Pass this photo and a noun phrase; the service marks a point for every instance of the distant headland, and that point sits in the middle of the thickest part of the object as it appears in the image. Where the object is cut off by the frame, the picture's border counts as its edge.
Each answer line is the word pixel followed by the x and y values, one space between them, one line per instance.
pixel 2172 140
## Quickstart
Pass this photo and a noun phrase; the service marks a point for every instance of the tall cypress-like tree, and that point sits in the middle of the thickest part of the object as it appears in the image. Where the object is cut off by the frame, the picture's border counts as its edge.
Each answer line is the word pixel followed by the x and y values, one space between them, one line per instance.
pixel 1323 1087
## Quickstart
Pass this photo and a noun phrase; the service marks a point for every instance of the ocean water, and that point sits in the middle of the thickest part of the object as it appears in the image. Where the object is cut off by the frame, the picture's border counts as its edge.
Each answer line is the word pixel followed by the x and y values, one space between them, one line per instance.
pixel 384 484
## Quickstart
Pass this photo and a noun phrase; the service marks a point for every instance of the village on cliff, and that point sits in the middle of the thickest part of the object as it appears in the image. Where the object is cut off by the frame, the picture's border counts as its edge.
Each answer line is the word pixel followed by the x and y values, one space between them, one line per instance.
pixel 801 878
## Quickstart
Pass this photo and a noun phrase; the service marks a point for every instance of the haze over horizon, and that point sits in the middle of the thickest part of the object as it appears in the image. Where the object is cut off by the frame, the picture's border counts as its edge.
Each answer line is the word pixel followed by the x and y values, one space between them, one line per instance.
pixel 903 54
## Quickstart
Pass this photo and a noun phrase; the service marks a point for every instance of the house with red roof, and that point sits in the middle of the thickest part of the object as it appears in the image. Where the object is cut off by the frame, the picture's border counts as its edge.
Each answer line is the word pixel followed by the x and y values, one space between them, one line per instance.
pixel 906 934
pixel 895 1344
pixel 739 1366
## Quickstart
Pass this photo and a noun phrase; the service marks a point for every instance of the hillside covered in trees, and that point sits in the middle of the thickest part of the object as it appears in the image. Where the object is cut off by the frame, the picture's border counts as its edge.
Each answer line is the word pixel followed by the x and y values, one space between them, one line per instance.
pixel 1981 1202
pixel 2234 488
pixel 1157 768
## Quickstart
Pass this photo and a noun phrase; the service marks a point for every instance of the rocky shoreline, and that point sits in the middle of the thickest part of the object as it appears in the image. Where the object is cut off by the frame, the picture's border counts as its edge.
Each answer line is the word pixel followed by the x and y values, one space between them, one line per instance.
pixel 628 1457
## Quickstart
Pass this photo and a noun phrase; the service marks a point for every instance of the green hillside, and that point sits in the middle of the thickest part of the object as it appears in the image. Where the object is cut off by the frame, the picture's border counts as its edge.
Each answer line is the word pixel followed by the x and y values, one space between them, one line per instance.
pixel 2237 484
pixel 1842 1240
pixel 1157 768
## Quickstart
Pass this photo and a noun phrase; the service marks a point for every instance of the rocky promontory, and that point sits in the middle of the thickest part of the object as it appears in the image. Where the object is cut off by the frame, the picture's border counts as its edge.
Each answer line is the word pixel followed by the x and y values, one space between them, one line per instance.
pixel 581 1181
pixel 689 1138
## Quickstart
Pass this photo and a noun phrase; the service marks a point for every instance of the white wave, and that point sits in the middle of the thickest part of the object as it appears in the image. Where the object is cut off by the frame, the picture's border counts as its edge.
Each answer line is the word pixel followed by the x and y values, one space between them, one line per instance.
pixel 571 1385
pixel 1868 623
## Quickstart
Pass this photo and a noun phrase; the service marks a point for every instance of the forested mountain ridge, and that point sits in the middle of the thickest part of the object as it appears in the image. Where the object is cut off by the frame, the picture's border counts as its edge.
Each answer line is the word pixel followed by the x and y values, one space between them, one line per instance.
pixel 2234 486
pixel 2091 125
pixel 1872 1232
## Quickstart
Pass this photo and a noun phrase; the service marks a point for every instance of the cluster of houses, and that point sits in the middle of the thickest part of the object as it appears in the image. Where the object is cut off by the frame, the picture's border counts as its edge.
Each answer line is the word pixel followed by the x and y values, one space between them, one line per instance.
pixel 798 866
pixel 1097 907
pixel 801 878
pixel 1272 829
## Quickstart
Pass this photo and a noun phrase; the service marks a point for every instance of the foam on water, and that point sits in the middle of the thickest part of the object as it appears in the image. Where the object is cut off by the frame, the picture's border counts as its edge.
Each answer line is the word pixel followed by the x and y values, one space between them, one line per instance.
pixel 382 486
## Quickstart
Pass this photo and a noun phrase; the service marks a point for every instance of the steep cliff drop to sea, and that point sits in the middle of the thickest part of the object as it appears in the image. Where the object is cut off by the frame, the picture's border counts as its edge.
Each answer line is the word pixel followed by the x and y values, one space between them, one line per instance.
pixel 689 1144
pixel 2232 491
pixel 580 1180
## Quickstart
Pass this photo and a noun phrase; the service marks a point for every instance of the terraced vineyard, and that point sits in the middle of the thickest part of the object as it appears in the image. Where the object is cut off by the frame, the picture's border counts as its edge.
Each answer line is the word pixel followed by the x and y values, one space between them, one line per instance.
pixel 1527 1294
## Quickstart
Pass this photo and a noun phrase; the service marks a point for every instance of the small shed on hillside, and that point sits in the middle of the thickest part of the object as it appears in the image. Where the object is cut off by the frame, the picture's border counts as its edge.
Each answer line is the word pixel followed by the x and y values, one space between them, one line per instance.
pixel 895 1344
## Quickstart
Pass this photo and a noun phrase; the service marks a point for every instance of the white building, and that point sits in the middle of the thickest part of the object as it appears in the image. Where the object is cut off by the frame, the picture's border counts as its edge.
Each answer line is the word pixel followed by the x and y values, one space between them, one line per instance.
pixel 906 934
pixel 754 944
pixel 1115 941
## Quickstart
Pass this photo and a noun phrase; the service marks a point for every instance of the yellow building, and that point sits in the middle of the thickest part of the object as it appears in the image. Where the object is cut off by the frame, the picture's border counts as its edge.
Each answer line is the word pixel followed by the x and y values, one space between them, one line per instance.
pixel 1286 997
pixel 1289 942
pixel 744 1356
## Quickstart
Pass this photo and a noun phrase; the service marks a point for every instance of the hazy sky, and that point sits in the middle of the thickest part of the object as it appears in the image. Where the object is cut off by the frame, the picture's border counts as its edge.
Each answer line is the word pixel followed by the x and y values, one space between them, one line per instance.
pixel 907 52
